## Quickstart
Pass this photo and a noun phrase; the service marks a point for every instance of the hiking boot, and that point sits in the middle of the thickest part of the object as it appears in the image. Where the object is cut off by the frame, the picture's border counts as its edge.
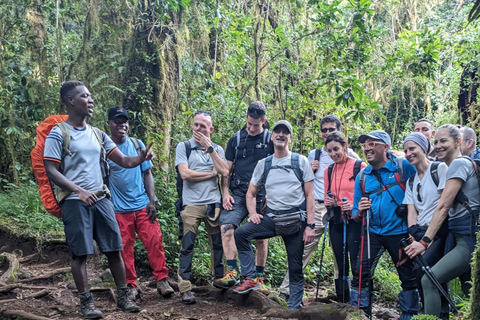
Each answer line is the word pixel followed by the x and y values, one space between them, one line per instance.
pixel 263 287
pixel 87 306
pixel 247 286
pixel 163 287
pixel 124 302
pixel 188 297
pixel 134 293
pixel 230 280
pixel 283 296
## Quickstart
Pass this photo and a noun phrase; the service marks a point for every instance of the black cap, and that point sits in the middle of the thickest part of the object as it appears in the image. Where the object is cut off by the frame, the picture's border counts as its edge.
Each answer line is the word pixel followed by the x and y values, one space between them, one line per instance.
pixel 116 112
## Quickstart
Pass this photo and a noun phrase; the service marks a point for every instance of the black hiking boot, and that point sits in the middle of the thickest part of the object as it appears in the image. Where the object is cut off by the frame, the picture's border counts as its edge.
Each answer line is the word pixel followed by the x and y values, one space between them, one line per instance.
pixel 87 306
pixel 124 302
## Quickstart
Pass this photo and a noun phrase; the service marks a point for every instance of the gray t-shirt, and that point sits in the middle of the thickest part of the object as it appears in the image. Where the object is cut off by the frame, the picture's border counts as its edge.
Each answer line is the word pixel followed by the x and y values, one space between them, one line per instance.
pixel 324 161
pixel 462 168
pixel 284 191
pixel 83 167
pixel 202 192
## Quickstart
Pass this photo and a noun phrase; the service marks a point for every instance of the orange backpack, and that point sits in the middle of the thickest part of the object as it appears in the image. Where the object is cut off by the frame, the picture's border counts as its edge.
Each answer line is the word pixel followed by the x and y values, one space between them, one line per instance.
pixel 44 187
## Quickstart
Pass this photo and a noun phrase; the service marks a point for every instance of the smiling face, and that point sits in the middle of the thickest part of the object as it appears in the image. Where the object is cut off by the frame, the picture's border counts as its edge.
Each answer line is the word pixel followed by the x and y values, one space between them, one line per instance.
pixel 375 152
pixel 445 145
pixel 413 153
pixel 254 126
pixel 336 151
pixel 281 137
pixel 118 128
pixel 80 101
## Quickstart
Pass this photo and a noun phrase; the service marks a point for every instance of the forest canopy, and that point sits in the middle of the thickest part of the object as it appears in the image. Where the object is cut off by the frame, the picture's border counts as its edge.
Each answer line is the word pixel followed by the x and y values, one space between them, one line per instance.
pixel 376 64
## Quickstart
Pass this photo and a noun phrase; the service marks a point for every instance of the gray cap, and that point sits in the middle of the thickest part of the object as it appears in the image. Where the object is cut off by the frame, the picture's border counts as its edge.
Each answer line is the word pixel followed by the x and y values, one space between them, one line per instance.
pixel 377 135
pixel 283 123
pixel 419 139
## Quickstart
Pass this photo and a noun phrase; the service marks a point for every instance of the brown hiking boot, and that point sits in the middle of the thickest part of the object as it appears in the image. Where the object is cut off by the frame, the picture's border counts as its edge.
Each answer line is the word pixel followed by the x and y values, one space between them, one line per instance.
pixel 124 302
pixel 163 287
pixel 87 306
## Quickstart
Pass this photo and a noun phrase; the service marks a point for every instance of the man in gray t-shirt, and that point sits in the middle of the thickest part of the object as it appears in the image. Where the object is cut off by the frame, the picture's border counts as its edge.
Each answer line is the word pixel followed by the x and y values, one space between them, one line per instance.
pixel 289 190
pixel 201 198
pixel 87 215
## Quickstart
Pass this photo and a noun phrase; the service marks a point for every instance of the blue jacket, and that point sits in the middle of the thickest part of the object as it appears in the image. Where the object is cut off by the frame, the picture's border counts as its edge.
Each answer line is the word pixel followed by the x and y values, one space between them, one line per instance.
pixel 383 220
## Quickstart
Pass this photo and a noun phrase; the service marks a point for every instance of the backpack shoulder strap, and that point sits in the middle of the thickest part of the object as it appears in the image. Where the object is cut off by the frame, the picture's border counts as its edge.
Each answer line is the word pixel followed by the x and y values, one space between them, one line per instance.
pixel 99 135
pixel 410 181
pixel 356 168
pixel 400 174
pixel 361 180
pixel 136 144
pixel 66 139
pixel 188 148
pixel 266 137
pixel 434 172
pixel 237 135
pixel 266 168
pixel 329 175
pixel 318 153
pixel 295 162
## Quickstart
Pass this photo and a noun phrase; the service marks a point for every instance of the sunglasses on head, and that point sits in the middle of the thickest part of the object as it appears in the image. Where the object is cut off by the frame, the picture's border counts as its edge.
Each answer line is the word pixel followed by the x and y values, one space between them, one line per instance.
pixel 208 114
pixel 325 130
pixel 255 111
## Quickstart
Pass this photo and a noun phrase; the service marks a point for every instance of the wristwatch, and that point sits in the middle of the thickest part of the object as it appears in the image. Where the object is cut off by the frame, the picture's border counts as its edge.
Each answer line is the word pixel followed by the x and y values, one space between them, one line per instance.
pixel 311 225
pixel 426 239
pixel 209 149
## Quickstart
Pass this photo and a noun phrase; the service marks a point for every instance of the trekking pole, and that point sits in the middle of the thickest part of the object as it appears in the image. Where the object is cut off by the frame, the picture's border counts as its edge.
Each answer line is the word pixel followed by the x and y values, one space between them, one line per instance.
pixel 319 274
pixel 362 246
pixel 426 269
pixel 369 212
pixel 344 249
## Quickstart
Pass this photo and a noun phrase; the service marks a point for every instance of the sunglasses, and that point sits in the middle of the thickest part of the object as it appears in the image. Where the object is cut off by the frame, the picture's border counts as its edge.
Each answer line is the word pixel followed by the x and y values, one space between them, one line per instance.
pixel 419 198
pixel 325 130
pixel 255 111
pixel 208 114
pixel 370 145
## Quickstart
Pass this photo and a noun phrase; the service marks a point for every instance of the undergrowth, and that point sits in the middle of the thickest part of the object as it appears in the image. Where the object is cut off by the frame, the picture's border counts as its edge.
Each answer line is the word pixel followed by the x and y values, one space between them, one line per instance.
pixel 22 213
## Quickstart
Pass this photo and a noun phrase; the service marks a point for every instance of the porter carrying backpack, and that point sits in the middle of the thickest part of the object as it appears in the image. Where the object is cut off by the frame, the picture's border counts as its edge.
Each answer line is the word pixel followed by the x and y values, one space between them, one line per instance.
pixel 50 194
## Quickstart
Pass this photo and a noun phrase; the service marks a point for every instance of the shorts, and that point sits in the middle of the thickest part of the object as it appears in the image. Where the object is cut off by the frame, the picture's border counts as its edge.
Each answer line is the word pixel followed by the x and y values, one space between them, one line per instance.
pixel 84 223
pixel 239 211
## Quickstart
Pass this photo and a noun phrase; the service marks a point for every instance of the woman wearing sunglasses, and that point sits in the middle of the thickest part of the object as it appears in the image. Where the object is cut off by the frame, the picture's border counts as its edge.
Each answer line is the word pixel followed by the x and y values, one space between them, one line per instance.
pixel 422 195
pixel 343 230
pixel 461 182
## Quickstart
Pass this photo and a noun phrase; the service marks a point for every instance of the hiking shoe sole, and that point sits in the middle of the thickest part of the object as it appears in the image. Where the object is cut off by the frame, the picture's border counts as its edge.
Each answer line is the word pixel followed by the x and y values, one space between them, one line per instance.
pixel 257 287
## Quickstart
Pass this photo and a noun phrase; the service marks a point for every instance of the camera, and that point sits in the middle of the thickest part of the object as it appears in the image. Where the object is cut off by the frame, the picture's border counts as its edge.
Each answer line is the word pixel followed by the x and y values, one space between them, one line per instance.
pixel 402 211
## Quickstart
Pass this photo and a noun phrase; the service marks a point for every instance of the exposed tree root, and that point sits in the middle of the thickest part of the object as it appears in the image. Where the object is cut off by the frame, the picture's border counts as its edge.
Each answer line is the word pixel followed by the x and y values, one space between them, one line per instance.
pixel 46 276
pixel 13 266
pixel 23 315
pixel 10 287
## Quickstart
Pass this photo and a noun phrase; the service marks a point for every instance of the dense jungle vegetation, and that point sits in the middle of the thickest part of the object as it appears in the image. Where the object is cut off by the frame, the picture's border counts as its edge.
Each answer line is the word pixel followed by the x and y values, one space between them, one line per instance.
pixel 376 64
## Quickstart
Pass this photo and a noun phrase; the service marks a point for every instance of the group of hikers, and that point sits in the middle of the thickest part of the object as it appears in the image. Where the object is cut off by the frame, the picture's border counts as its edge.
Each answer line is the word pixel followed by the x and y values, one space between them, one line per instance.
pixel 266 190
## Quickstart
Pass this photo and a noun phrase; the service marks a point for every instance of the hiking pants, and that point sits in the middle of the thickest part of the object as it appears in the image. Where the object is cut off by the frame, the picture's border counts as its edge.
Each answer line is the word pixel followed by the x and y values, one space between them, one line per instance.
pixel 150 235
pixel 408 297
pixel 293 243
pixel 455 263
pixel 352 250
pixel 310 248
pixel 192 216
